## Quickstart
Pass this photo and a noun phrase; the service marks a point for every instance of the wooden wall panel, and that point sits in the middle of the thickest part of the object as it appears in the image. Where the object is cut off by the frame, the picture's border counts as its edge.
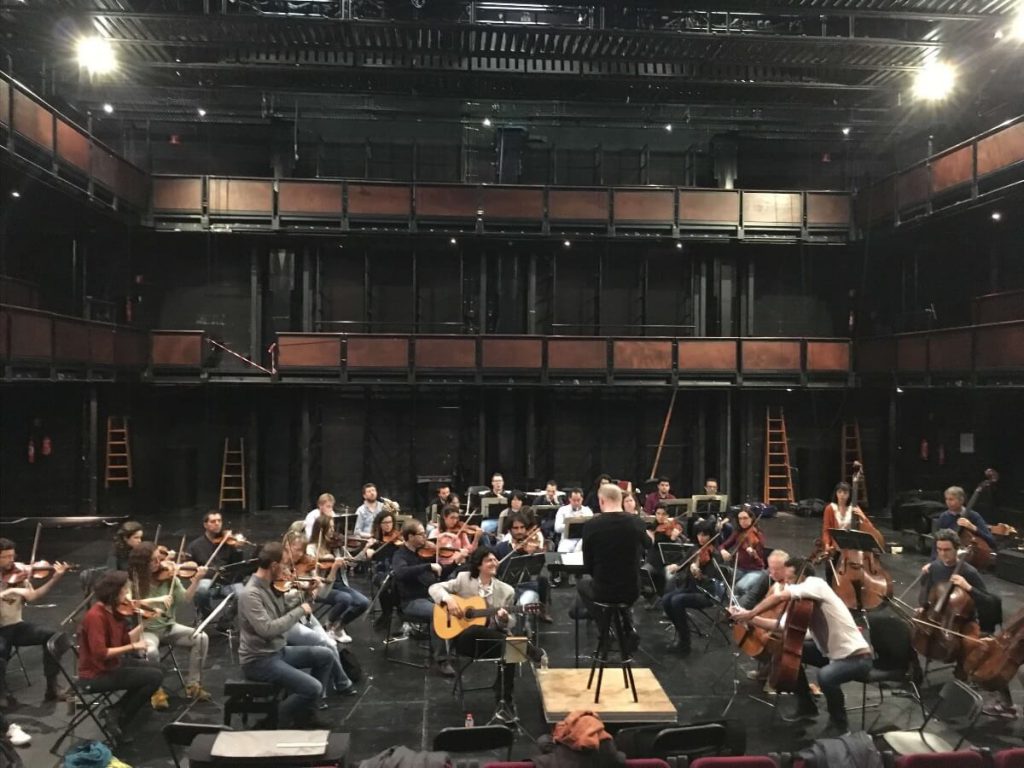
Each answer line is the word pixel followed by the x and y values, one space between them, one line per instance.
pixel 999 347
pixel 912 353
pixel 308 350
pixel 911 187
pixel 586 205
pixel 952 168
pixel 102 345
pixel 706 354
pixel 377 352
pixel 772 208
pixel 648 355
pixel 825 210
pixel 999 307
pixel 32 120
pixel 31 336
pixel 455 202
pixel 393 201
pixel 656 206
pixel 129 348
pixel 178 195
pixel 446 353
pixel 132 184
pixel 523 354
pixel 72 146
pixel 577 354
pixel 176 349
pixel 519 204
pixel 825 356
pixel 311 198
pixel 770 355
pixel 1001 149
pixel 243 196
pixel 709 206
pixel 70 341
pixel 950 350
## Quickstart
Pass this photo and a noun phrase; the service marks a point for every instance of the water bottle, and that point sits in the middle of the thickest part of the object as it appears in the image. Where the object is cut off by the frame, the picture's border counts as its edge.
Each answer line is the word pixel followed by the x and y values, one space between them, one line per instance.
pixel 469 719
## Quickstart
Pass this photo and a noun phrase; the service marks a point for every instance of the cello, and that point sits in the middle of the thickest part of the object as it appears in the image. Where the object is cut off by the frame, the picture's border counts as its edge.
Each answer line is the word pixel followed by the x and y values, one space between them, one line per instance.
pixel 939 629
pixel 860 580
pixel 982 557
pixel 993 661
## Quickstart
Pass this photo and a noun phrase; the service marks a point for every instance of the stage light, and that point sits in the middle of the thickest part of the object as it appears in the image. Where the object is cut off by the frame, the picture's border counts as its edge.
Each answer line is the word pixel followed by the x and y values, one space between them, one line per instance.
pixel 899 390
pixel 668 127
pixel 108 108
pixel 201 112
pixel 15 193
pixel 453 241
pixel 789 389
pixel 1017 25
pixel 487 122
pixel 679 246
pixel 997 216
pixel 846 131
pixel 96 55
pixel 935 81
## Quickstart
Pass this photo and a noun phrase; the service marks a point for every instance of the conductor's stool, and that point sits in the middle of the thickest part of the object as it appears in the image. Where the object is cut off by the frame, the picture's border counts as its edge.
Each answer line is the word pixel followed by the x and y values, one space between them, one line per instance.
pixel 244 697
pixel 611 617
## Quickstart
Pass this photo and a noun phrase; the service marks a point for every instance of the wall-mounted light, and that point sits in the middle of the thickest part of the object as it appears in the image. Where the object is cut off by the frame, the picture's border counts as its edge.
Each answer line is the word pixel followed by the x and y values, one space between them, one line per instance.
pixel 108 108
pixel 846 130
pixel 487 122
pixel 997 216
pixel 96 54
pixel 201 112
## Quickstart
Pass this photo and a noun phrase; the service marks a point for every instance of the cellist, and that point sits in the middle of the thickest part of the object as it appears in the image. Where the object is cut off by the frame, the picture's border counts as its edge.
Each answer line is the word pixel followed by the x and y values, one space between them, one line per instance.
pixel 958 516
pixel 838 647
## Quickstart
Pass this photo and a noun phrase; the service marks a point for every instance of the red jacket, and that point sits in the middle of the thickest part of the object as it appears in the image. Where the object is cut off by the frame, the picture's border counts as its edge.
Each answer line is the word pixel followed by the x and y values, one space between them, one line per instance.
pixel 100 630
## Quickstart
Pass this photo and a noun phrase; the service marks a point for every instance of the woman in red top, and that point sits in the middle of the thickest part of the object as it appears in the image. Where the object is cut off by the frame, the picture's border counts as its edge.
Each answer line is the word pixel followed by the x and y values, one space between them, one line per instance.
pixel 747 544
pixel 107 659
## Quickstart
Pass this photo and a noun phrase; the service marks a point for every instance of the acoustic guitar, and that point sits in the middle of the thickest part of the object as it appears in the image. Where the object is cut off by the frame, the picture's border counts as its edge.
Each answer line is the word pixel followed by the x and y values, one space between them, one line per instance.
pixel 475 613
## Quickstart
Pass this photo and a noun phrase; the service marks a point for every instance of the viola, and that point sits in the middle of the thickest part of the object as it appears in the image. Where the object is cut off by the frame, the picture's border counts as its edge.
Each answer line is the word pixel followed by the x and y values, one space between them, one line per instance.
pixel 287 585
pixel 982 557
pixel 860 580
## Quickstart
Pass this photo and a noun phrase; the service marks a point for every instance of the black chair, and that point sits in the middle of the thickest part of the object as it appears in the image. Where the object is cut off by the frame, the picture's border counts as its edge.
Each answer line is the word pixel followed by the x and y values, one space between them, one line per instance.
pixel 16 654
pixel 612 618
pixel 174 666
pixel 482 738
pixel 958 705
pixel 895 660
pixel 391 588
pixel 247 697
pixel 87 704
pixel 182 734
pixel 699 740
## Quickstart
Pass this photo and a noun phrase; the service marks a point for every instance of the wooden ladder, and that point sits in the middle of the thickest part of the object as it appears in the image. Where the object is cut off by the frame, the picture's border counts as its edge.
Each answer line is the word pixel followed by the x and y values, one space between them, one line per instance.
pixel 851 452
pixel 119 454
pixel 778 478
pixel 232 473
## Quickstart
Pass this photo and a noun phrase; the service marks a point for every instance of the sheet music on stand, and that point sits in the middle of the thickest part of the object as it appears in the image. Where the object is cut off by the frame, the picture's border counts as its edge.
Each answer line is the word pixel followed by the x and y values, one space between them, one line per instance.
pixel 574 527
pixel 545 511
pixel 519 568
pixel 672 552
pixel 491 506
pixel 571 559
pixel 856 540
pixel 704 505
pixel 678 507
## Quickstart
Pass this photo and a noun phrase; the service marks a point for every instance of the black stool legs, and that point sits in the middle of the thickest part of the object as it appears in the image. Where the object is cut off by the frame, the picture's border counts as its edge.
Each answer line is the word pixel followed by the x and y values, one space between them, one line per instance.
pixel 611 617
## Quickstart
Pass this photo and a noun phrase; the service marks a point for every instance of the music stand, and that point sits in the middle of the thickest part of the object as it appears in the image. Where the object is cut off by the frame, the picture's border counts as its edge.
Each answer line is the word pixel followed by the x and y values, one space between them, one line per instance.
pixel 545 511
pixel 520 567
pixel 860 541
pixel 674 552
pixel 703 505
pixel 490 507
pixel 235 571
pixel 513 651
pixel 574 527
pixel 680 507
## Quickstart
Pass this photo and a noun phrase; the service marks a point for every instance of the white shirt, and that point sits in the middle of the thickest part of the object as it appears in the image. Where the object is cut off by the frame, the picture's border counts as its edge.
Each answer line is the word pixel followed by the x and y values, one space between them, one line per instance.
pixel 832 626
pixel 311 519
pixel 569 545
pixel 843 520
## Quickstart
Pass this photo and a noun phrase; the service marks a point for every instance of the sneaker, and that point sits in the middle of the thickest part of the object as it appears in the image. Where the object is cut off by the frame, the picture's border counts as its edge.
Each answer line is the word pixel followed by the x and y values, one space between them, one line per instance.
pixel 1000 710
pixel 196 692
pixel 350 691
pixel 17 736
pixel 159 700
pixel 55 693
pixel 802 712
pixel 815 689
pixel 341 636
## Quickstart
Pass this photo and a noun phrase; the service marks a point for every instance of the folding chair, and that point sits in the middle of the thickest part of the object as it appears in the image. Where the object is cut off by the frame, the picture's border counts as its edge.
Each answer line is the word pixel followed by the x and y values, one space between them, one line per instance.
pixel 182 734
pixel 16 654
pixel 168 653
pixel 895 661
pixel 58 647
pixel 482 738
pixel 957 704
pixel 389 638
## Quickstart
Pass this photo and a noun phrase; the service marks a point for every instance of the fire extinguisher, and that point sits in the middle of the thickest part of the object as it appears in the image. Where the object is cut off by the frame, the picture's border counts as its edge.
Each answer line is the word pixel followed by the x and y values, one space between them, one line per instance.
pixel 942 454
pixel 31 451
pixel 47 447
pixel 924 449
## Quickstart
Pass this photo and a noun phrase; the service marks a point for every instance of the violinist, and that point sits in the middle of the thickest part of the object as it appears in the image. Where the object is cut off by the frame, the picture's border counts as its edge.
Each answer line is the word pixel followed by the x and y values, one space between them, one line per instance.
pixel 15 632
pixel 747 543
pixel 525 538
pixel 630 505
pixel 837 645
pixel 347 604
pixel 839 514
pixel 109 655
pixel 127 537
pixel 207 550
pixel 155 577
pixel 453 533
pixel 695 585
pixel 516 503
pixel 957 517
pixel 665 530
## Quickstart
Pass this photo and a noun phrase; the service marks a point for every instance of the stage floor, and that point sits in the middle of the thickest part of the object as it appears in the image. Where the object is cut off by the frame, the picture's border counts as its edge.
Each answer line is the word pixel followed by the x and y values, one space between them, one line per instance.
pixel 564 690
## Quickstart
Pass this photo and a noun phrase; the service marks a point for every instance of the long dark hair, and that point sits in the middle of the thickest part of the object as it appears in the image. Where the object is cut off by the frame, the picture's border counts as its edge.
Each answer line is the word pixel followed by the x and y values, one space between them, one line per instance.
pixel 139 568
pixel 128 529
pixel 379 518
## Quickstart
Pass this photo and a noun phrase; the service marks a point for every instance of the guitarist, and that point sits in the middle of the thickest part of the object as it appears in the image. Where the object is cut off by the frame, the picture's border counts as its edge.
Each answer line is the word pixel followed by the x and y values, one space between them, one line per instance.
pixel 838 648
pixel 480 581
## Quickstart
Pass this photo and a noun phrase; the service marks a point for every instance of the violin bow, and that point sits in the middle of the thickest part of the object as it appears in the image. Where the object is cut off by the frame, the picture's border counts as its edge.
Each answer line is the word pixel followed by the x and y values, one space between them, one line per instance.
pixel 35 543
pixel 711 541
pixel 156 535
pixel 181 550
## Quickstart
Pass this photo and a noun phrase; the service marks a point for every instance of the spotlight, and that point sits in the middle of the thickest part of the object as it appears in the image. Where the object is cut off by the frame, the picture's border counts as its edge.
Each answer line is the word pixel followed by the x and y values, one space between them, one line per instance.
pixel 487 122
pixel 997 216
pixel 15 193
pixel 789 389
pixel 108 108
pixel 668 127
pixel 1017 25
pixel 935 81
pixel 453 241
pixel 846 130
pixel 899 390
pixel 96 55
pixel 201 112
pixel 566 243
pixel 679 246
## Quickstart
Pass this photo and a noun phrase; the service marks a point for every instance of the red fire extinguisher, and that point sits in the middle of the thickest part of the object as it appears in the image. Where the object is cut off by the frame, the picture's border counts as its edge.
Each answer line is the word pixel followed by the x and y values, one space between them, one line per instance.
pixel 31 451
pixel 47 447
pixel 924 449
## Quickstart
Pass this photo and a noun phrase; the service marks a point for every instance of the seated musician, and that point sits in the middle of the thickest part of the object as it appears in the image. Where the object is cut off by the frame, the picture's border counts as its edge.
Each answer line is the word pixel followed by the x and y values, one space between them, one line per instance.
pixel 126 538
pixel 109 655
pixel 386 538
pixel 521 541
pixel 839 514
pixel 957 517
pixel 697 585
pixel 208 550
pixel 451 533
pixel 347 604
pixel 480 581
pixel 838 647
pixel 777 583
pixel 324 506
pixel 575 508
pixel 663 493
pixel 366 511
pixel 630 504
pixel 711 486
pixel 413 577
pixel 665 530
pixel 144 572
pixel 264 618
pixel 443 497
pixel 15 632
pixel 747 541
pixel 516 502
pixel 497 491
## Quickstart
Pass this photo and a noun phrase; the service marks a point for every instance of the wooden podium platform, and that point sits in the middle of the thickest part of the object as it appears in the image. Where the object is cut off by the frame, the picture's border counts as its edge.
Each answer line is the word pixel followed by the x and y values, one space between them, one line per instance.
pixel 563 690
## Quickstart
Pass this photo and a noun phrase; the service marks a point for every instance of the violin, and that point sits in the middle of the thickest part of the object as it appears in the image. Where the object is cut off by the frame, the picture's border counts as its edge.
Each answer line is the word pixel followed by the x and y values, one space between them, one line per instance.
pixel 469 530
pixel 229 539
pixel 982 557
pixel 668 527
pixel 169 569
pixel 287 585
pixel 129 608
pixel 860 580
pixel 395 537
pixel 430 551
pixel 23 572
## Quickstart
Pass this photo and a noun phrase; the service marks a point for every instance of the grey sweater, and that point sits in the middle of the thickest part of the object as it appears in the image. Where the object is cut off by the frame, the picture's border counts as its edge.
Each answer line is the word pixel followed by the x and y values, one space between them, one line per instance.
pixel 263 619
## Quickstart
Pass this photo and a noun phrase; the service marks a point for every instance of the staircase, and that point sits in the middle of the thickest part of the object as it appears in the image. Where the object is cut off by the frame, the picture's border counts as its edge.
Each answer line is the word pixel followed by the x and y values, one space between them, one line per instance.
pixel 778 478
pixel 119 454
pixel 232 473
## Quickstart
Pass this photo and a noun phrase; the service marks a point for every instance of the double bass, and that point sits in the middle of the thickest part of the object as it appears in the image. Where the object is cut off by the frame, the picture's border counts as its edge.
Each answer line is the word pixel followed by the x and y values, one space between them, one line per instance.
pixel 860 580
pixel 981 555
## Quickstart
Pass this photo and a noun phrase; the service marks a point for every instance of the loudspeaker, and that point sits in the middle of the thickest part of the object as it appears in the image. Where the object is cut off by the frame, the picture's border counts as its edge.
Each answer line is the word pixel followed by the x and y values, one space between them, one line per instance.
pixel 1010 565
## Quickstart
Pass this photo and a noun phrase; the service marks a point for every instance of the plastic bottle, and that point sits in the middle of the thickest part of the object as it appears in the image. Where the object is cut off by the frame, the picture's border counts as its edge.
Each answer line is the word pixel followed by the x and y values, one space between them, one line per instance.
pixel 469 719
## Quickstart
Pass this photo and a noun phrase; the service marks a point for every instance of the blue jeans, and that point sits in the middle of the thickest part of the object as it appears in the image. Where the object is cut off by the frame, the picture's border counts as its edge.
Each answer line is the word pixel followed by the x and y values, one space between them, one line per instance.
pixel 207 591
pixel 751 587
pixel 490 526
pixel 422 609
pixel 831 676
pixel 314 635
pixel 284 668
pixel 347 604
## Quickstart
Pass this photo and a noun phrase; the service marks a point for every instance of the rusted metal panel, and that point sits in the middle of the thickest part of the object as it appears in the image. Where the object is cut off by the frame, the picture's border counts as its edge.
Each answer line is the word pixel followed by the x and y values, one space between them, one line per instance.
pixel 70 341
pixel 999 347
pixel 772 208
pixel 642 355
pixel 455 202
pixel 511 353
pixel 759 355
pixel 104 166
pixel 32 120
pixel 1001 149
pixel 5 325
pixel 72 146
pixel 706 354
pixel 709 206
pixel 308 350
pixel 178 195
pixel 391 201
pixel 242 196
pixel 876 355
pixel 445 352
pixel 129 348
pixel 911 187
pixel 132 184
pixel 952 168
pixel 912 353
pixel 828 210
pixel 827 356
pixel 577 354
pixel 309 198
pixel 102 345
pixel 31 336
pixel 950 350
pixel 518 204
pixel 377 352
pixel 581 205
pixel 656 206
pixel 999 307
pixel 174 349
